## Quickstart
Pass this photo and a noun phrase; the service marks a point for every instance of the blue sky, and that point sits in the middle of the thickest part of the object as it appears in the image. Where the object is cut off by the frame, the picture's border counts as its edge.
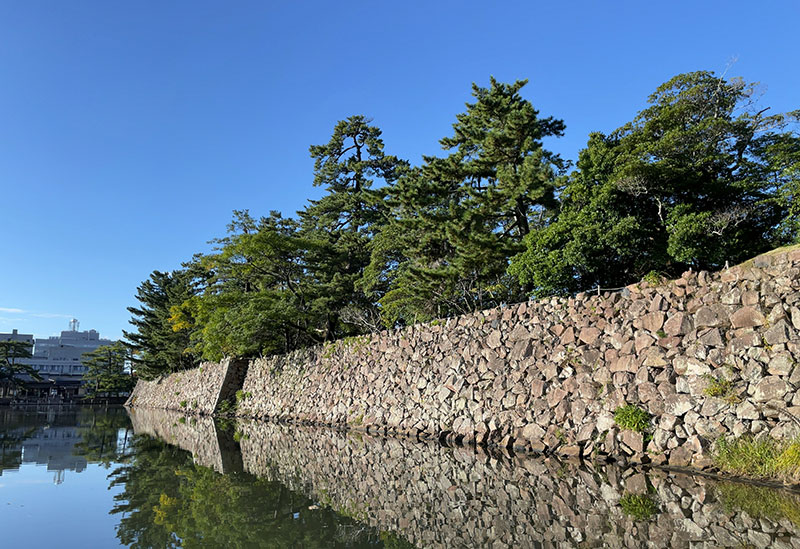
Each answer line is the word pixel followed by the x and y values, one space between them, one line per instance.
pixel 129 131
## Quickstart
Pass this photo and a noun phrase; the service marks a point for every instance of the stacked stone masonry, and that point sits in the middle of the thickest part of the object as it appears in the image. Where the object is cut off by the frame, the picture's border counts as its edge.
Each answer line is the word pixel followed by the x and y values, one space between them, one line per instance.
pixel 444 498
pixel 200 390
pixel 706 355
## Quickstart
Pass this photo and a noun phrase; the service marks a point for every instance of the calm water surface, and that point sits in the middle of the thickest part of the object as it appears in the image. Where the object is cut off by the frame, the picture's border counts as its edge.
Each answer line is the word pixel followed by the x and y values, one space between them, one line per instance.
pixel 87 477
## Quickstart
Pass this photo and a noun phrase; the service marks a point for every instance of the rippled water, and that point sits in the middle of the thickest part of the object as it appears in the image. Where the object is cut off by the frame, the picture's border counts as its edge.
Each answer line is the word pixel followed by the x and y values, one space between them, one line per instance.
pixel 83 477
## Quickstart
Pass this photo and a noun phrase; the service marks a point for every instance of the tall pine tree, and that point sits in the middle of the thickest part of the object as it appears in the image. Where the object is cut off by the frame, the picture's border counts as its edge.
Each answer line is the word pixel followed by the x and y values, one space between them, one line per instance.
pixel 156 348
pixel 458 220
pixel 343 224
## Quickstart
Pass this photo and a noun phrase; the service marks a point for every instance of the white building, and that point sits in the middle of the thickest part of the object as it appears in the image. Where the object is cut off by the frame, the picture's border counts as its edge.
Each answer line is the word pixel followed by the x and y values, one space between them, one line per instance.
pixel 57 360
pixel 61 355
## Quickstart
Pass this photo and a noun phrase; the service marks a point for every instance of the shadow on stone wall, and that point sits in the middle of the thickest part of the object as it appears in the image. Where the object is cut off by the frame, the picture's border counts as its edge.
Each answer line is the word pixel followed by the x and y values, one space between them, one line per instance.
pixel 434 496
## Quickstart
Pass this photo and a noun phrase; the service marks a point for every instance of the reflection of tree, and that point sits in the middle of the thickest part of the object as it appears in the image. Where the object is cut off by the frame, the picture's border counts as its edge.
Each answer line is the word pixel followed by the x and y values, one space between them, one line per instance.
pixel 149 474
pixel 168 501
pixel 11 448
pixel 15 428
pixel 100 437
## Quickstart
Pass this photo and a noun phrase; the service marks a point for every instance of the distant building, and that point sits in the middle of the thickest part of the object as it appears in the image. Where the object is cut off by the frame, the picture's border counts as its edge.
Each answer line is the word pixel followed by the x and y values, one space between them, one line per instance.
pixel 61 355
pixel 55 448
pixel 57 360
pixel 16 336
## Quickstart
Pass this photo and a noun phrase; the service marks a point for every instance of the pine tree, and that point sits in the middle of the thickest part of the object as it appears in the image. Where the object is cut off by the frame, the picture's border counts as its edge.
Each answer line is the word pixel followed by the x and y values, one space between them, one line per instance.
pixel 157 349
pixel 11 352
pixel 108 370
pixel 458 219
pixel 342 224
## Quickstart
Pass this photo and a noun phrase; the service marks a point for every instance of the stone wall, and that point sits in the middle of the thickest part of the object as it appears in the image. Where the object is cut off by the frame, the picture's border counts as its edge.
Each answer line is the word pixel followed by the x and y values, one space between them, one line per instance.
pixel 198 391
pixel 705 355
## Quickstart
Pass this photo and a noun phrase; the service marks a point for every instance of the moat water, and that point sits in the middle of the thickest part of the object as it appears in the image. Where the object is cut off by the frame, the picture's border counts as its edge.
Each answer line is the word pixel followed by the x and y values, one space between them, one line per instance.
pixel 91 477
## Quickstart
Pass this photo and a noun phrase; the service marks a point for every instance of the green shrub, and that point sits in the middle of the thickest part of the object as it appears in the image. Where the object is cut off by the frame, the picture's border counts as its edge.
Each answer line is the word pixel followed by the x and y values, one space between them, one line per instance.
pixel 392 540
pixel 654 278
pixel 639 506
pixel 226 407
pixel 183 403
pixel 632 418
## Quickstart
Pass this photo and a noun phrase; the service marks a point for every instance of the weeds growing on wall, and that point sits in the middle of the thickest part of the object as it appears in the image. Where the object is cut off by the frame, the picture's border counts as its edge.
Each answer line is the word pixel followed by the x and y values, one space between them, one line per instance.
pixel 763 458
pixel 720 388
pixel 632 418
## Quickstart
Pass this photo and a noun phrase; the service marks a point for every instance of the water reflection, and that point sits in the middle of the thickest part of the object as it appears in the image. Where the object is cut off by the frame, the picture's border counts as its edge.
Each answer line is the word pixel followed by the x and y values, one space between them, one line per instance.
pixel 190 482
pixel 439 497
pixel 168 500
pixel 61 438
pixel 179 482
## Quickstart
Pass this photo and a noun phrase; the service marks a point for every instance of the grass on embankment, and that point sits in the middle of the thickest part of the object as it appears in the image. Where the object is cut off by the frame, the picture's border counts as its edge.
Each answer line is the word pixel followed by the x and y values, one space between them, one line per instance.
pixel 763 459
pixel 781 250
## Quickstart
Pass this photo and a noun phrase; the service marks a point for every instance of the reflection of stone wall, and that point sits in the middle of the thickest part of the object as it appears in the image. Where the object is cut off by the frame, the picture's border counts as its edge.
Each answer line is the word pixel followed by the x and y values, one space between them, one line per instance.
pixel 210 447
pixel 440 497
pixel 199 390
pixel 548 375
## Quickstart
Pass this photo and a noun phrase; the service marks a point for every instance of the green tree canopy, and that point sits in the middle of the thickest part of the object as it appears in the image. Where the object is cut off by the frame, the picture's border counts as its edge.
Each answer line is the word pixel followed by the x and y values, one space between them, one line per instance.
pixel 11 369
pixel 699 178
pixel 158 349
pixel 256 295
pixel 343 224
pixel 458 219
pixel 108 370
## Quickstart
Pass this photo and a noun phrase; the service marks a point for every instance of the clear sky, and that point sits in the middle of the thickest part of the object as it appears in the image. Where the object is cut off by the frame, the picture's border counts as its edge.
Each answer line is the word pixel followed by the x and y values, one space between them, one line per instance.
pixel 129 131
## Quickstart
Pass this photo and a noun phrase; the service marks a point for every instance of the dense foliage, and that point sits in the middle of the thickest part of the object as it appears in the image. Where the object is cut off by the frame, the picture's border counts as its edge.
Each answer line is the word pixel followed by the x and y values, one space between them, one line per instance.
pixel 697 179
pixel 456 220
pixel 156 347
pixel 108 370
pixel 702 177
pixel 11 367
